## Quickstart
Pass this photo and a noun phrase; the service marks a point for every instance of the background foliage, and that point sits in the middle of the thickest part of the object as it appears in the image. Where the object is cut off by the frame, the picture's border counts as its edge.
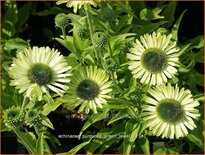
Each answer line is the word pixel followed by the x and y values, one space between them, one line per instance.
pixel 26 24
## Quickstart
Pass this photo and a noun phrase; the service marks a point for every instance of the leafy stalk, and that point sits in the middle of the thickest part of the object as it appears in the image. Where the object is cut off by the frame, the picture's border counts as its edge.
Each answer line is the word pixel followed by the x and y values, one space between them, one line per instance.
pixel 26 142
pixel 91 28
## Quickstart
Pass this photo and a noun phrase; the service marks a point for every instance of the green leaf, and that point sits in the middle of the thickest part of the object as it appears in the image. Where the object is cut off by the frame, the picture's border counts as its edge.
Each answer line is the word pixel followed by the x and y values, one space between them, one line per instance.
pixel 175 27
pixel 51 11
pixel 116 105
pixel 165 150
pixel 77 148
pixel 39 144
pixel 197 42
pixel 197 135
pixel 23 15
pixel 116 41
pixel 148 14
pixel 169 13
pixel 184 48
pixel 122 114
pixel 47 122
pixel 149 28
pixel 106 138
pixel 69 44
pixel 9 20
pixel 144 144
pixel 28 140
pixel 16 43
pixel 7 101
pixel 131 129
pixel 47 108
pixel 137 7
pixel 133 112
pixel 199 77
pixel 72 60
pixel 94 118
pixel 106 145
pixel 199 57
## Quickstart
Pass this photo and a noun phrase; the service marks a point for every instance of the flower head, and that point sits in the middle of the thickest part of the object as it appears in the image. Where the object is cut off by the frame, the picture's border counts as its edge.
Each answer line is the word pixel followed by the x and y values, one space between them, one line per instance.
pixel 35 70
pixel 13 117
pixel 33 117
pixel 168 111
pixel 99 39
pixel 76 4
pixel 89 89
pixel 154 58
pixel 61 20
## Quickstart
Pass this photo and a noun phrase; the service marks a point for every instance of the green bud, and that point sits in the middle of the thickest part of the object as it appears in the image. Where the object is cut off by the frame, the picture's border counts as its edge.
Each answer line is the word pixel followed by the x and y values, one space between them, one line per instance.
pixel 83 32
pixel 13 117
pixel 99 39
pixel 62 20
pixel 33 117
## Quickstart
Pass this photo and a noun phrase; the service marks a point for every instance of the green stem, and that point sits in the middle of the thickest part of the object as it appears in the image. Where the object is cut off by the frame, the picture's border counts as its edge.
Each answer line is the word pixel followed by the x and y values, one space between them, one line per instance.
pixel 90 24
pixel 24 102
pixel 108 40
pixel 64 34
pixel 116 85
pixel 25 141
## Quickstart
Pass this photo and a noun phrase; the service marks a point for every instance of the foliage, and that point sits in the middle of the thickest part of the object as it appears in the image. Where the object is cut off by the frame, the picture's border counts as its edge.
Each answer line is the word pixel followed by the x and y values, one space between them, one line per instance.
pixel 119 126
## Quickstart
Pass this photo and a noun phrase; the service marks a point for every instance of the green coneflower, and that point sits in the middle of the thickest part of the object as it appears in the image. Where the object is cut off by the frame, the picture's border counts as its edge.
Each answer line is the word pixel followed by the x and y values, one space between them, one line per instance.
pixel 89 89
pixel 168 111
pixel 154 58
pixel 33 117
pixel 76 4
pixel 37 69
pixel 13 117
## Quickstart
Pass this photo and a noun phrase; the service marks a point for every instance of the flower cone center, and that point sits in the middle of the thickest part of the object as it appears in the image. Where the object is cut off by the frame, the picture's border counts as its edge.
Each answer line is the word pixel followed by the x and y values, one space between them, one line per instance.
pixel 154 60
pixel 170 111
pixel 40 74
pixel 13 114
pixel 87 90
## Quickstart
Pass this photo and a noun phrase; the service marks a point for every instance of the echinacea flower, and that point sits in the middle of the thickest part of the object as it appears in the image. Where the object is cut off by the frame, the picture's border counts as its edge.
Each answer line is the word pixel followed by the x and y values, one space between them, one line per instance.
pixel 13 117
pixel 76 4
pixel 38 69
pixel 89 88
pixel 169 112
pixel 33 117
pixel 154 58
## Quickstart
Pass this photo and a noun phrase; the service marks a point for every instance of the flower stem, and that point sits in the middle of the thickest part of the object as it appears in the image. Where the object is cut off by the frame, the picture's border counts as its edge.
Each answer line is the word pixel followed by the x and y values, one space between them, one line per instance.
pixel 64 34
pixel 90 24
pixel 24 102
pixel 108 39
